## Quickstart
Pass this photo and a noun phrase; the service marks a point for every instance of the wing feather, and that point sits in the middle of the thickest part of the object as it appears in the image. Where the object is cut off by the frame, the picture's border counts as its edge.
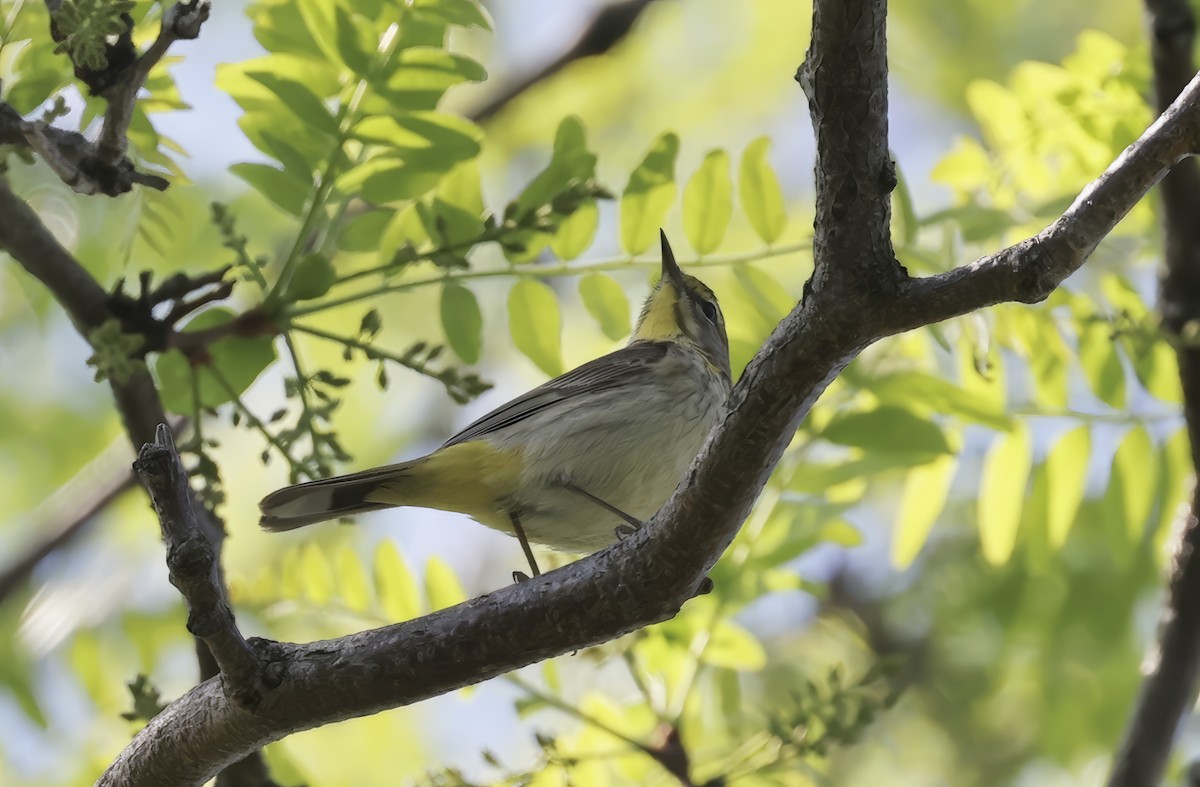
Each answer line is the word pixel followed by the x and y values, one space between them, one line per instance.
pixel 627 365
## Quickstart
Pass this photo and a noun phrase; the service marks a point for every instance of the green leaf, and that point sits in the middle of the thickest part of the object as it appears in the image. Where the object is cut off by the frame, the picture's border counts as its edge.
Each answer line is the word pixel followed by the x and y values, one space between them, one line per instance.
pixel 465 13
pixel 761 196
pixel 708 203
pixel 576 232
pixel 434 140
pixel 605 300
pixel 937 395
pixel 535 324
pixel 569 161
pixel 299 100
pixel 976 222
pixel 320 25
pixel 419 75
pixel 365 231
pixel 458 205
pixel 734 647
pixel 887 429
pixel 313 277
pixel 906 214
pixel 239 359
pixel 395 586
pixel 1066 480
pixel 1002 493
pixel 648 196
pixel 356 43
pixel 1134 476
pixel 353 588
pixel 1101 364
pixel 462 322
pixel 925 494
pixel 770 299
pixel 386 179
pixel 282 188
pixel 316 575
pixel 442 587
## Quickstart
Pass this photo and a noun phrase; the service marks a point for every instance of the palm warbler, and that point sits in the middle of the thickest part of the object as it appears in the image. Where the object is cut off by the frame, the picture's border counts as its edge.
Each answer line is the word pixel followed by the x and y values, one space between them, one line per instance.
pixel 575 463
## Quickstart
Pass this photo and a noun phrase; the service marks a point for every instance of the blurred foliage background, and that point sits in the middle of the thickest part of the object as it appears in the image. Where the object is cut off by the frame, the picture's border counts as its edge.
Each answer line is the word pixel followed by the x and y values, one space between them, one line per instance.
pixel 952 575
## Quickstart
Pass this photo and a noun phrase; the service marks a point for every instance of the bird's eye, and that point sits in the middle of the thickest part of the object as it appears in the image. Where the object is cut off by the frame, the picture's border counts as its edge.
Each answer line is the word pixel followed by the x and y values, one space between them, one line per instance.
pixel 710 311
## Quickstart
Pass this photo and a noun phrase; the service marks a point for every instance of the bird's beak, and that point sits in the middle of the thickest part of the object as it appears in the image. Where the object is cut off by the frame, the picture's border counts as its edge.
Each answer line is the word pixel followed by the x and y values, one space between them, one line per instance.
pixel 670 269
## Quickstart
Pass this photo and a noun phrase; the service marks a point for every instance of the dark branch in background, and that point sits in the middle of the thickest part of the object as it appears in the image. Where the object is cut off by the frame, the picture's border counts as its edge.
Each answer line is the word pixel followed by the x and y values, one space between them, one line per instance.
pixel 648 576
pixel 608 27
pixel 69 511
pixel 1169 687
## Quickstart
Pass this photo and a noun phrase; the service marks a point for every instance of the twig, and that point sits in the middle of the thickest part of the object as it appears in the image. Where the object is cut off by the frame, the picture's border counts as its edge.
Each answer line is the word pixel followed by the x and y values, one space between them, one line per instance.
pixel 608 27
pixel 180 21
pixel 195 571
pixel 1169 687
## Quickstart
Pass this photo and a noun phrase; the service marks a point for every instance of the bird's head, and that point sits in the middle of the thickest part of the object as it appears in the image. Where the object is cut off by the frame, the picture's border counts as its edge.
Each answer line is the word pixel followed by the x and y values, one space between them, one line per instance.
pixel 683 309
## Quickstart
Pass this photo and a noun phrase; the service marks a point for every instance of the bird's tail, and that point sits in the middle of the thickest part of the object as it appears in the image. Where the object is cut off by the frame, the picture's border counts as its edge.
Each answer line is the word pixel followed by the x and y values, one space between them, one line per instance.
pixel 316 501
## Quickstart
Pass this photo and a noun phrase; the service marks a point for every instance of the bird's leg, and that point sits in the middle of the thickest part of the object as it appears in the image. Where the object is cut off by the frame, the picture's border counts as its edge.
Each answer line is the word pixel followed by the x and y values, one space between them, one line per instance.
pixel 520 533
pixel 623 531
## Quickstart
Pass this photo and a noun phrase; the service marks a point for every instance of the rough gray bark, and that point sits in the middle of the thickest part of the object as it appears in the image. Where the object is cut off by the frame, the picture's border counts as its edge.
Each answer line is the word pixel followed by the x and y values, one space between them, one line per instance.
pixel 858 295
pixel 1169 687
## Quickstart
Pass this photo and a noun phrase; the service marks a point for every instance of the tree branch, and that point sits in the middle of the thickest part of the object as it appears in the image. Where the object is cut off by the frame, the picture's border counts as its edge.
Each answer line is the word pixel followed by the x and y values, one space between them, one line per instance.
pixel 648 576
pixel 194 567
pixel 608 27
pixel 1171 670
pixel 180 21
pixel 31 244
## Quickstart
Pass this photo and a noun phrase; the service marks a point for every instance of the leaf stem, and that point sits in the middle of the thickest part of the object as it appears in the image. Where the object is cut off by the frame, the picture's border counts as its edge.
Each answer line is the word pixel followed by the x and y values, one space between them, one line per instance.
pixel 254 420
pixel 543 272
pixel 306 411
pixel 346 118
pixel 571 710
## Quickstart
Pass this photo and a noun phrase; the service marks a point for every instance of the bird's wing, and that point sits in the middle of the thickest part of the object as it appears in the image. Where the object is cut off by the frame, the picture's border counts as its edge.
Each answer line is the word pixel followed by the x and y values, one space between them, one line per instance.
pixel 627 365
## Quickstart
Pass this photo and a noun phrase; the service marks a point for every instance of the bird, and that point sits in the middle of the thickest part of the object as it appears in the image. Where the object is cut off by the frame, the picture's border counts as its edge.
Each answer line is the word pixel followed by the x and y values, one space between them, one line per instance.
pixel 576 463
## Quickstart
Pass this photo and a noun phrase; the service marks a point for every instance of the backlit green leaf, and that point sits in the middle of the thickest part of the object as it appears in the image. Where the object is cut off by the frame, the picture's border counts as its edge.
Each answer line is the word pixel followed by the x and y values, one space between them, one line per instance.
pixel 313 277
pixel 887 428
pixel 759 191
pixel 462 322
pixel 1066 474
pixel 925 493
pixel 1002 493
pixel 352 585
pixel 648 196
pixel 576 232
pixel 606 302
pixel 1134 474
pixel 1101 364
pixel 442 587
pixel 280 187
pixel 708 203
pixel 394 584
pixel 734 647
pixel 536 325
pixel 238 359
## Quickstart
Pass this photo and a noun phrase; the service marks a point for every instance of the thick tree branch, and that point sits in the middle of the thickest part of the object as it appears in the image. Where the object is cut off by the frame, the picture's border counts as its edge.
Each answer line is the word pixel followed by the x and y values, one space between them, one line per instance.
pixel 608 27
pixel 1169 687
pixel 844 76
pixel 647 577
